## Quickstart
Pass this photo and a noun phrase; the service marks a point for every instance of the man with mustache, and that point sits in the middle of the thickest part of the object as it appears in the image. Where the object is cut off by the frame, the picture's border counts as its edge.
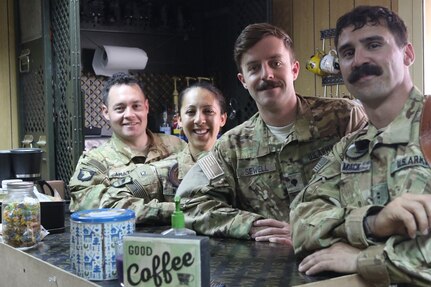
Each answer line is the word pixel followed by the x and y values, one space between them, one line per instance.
pixel 244 187
pixel 368 208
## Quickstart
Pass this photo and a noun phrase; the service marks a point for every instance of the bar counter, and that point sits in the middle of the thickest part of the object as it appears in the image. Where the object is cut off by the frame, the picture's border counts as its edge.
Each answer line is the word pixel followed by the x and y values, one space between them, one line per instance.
pixel 233 262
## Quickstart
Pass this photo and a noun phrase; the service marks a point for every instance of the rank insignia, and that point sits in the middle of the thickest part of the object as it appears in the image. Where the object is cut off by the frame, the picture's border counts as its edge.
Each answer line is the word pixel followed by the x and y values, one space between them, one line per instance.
pixel 294 183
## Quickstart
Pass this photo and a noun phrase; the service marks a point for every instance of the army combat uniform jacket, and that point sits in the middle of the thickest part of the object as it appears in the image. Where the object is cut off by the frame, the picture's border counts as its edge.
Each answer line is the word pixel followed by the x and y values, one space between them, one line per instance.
pixel 365 171
pixel 115 176
pixel 251 175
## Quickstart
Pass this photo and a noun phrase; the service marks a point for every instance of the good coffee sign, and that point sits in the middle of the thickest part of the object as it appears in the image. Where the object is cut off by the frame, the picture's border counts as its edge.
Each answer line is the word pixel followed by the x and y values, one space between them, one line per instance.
pixel 155 260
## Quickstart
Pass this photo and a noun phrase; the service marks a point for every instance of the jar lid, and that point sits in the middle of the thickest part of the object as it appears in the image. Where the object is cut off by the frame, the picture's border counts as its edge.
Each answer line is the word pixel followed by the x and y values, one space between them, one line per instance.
pixel 103 215
pixel 12 185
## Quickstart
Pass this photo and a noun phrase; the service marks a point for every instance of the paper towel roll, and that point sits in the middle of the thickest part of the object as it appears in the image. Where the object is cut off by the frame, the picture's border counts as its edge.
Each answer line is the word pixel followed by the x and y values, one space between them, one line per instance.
pixel 109 60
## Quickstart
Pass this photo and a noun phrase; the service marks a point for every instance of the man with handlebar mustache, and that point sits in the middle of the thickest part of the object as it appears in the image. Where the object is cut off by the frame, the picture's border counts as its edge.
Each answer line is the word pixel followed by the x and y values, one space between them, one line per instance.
pixel 368 208
pixel 243 188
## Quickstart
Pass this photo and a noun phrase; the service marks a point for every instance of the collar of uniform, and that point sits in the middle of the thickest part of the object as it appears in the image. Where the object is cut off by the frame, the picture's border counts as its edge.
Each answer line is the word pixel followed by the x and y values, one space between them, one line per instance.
pixel 304 120
pixel 185 162
pixel 398 131
pixel 124 149
pixel 264 138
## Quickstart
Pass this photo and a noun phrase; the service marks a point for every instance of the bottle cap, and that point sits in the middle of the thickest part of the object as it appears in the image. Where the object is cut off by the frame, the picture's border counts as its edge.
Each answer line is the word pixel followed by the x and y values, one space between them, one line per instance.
pixel 177 218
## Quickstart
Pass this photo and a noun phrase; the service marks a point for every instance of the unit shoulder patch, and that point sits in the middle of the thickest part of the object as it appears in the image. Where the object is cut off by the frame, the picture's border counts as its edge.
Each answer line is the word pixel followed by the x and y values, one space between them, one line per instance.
pixel 173 175
pixel 86 175
pixel 357 149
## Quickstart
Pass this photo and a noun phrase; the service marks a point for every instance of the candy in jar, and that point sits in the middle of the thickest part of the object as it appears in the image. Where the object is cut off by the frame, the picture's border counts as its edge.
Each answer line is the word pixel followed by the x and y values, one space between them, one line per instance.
pixel 21 216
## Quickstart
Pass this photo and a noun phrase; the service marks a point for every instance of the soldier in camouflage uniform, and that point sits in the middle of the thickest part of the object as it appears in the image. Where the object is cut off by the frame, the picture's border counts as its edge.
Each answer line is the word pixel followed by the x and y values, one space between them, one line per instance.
pixel 118 175
pixel 114 175
pixel 368 208
pixel 243 188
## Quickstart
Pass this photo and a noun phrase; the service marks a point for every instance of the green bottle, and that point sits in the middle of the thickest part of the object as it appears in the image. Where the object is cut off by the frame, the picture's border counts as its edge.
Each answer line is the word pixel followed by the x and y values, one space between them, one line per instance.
pixel 177 222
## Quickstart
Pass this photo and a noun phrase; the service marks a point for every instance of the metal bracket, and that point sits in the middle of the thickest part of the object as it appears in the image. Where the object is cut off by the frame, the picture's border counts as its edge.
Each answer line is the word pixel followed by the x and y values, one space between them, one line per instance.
pixel 28 141
pixel 41 142
pixel 24 61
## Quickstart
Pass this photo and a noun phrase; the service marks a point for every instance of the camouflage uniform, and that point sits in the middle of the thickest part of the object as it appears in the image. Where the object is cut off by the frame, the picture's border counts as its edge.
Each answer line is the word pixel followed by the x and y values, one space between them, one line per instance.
pixel 252 175
pixel 115 176
pixel 365 171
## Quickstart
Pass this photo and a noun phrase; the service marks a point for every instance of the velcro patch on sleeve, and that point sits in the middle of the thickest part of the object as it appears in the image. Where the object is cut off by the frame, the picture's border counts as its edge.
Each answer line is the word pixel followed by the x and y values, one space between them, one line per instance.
pixel 210 166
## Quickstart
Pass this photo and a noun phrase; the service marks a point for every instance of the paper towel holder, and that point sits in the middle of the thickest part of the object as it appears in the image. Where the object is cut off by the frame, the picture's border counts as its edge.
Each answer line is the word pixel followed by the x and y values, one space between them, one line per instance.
pixel 108 60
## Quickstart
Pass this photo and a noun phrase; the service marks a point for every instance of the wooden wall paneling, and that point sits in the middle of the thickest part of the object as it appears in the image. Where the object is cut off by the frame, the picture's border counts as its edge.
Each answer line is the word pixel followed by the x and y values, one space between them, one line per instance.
pixel 427 47
pixel 4 77
pixel 321 22
pixel 282 15
pixel 303 38
pixel 8 90
pixel 411 11
pixel 394 5
pixel 384 3
pixel 337 9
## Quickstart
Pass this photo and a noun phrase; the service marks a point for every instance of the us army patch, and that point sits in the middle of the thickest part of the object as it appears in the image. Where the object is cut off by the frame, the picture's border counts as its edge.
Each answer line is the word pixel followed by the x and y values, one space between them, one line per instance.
pixel 86 175
pixel 319 153
pixel 210 166
pixel 118 174
pixel 355 167
pixel 255 170
pixel 408 161
pixel 122 181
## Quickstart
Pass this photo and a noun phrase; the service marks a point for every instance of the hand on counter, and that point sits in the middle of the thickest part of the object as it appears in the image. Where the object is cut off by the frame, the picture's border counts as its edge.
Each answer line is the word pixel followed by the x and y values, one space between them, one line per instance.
pixel 408 214
pixel 271 230
pixel 340 257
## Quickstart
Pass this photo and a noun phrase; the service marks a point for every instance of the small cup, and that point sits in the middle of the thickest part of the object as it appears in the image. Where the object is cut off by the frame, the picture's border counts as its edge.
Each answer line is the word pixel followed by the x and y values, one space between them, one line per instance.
pixel 119 250
pixel 329 63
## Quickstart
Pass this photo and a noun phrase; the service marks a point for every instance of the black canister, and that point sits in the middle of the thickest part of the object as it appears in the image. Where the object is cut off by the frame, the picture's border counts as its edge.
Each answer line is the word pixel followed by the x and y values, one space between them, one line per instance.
pixel 5 165
pixel 26 163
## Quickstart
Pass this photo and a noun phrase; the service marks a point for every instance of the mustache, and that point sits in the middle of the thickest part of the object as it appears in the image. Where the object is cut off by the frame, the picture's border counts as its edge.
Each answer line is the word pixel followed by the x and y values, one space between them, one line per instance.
pixel 266 85
pixel 364 70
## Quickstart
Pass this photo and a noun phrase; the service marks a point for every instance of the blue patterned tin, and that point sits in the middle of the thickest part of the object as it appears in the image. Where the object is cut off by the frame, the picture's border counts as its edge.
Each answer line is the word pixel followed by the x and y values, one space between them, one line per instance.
pixel 93 236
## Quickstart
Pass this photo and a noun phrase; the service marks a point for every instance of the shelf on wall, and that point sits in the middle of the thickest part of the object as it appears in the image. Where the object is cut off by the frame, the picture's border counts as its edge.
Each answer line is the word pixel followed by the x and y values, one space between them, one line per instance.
pixel 327 34
pixel 332 80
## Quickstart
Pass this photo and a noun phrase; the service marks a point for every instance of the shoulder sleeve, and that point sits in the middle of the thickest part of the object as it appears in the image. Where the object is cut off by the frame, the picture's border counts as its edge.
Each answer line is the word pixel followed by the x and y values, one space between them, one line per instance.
pixel 401 260
pixel 164 146
pixel 88 182
pixel 208 195
pixel 358 119
pixel 316 213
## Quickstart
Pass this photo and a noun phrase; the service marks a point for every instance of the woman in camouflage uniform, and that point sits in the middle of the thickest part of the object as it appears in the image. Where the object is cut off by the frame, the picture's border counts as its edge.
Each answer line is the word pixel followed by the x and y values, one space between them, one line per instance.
pixel 138 169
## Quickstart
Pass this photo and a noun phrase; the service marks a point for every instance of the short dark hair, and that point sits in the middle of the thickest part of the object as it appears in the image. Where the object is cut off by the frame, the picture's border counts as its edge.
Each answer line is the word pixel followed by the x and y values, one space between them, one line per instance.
pixel 252 34
pixel 373 15
pixel 218 95
pixel 119 78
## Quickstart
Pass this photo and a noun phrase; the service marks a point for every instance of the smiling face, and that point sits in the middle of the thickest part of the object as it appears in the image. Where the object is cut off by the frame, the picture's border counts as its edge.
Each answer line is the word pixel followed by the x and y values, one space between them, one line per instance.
pixel 201 119
pixel 268 73
pixel 127 110
pixel 373 65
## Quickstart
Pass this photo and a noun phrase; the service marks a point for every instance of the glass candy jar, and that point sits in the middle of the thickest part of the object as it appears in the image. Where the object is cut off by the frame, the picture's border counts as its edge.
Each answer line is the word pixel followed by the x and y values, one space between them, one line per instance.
pixel 21 216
